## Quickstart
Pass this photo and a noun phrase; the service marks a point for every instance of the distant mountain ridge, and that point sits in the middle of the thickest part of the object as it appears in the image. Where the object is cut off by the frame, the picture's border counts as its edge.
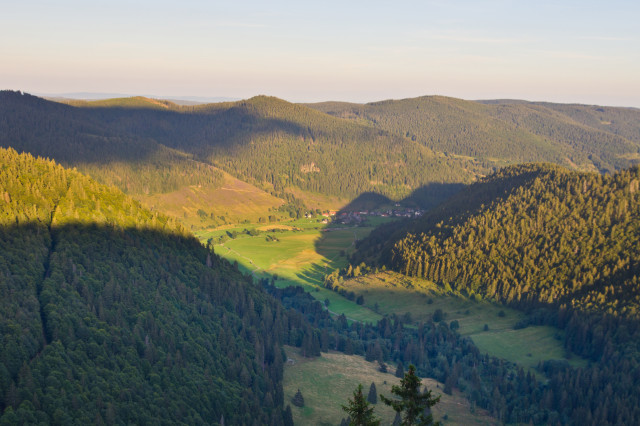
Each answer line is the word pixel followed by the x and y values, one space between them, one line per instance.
pixel 578 136
pixel 94 96
pixel 393 148
pixel 266 141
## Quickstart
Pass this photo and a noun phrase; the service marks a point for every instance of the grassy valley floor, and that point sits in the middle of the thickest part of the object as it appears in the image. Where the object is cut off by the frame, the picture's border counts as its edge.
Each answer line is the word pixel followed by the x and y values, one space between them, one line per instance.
pixel 301 255
pixel 301 252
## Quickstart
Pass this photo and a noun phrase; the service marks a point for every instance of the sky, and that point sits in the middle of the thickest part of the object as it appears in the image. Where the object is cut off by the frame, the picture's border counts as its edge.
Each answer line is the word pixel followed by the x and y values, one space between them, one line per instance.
pixel 302 51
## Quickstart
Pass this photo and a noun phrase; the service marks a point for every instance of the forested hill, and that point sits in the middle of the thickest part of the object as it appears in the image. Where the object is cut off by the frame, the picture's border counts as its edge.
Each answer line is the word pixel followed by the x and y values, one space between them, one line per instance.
pixel 583 136
pixel 110 314
pixel 266 141
pixel 98 145
pixel 564 247
pixel 531 234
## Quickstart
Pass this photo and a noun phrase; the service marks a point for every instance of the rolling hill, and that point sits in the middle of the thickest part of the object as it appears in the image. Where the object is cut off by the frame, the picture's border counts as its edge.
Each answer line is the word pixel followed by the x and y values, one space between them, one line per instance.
pixel 532 234
pixel 561 246
pixel 321 154
pixel 148 147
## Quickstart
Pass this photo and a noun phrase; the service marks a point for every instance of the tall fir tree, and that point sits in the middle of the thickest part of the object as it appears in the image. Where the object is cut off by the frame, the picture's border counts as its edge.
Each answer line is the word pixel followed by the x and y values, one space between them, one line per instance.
pixel 359 411
pixel 372 397
pixel 413 404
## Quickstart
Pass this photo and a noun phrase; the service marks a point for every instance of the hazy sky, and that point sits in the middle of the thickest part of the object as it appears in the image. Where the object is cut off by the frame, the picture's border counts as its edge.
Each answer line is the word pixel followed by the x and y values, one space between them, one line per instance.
pixel 565 51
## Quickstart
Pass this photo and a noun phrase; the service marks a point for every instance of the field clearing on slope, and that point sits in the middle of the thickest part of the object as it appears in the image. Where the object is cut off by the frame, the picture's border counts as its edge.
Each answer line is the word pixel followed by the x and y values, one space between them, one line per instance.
pixel 316 200
pixel 235 200
pixel 328 381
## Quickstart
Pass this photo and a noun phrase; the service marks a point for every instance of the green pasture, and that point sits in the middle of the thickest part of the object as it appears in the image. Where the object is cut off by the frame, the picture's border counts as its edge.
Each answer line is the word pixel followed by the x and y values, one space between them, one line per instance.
pixel 394 293
pixel 300 256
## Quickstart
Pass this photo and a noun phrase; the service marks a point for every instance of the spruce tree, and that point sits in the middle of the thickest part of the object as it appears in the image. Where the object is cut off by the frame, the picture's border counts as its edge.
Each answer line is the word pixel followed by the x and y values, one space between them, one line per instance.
pixel 287 416
pixel 298 400
pixel 397 420
pixel 359 411
pixel 413 404
pixel 372 397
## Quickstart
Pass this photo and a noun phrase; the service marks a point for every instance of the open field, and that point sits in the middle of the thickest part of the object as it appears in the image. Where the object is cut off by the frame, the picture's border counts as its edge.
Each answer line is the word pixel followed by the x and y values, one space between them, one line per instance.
pixel 395 293
pixel 328 381
pixel 298 257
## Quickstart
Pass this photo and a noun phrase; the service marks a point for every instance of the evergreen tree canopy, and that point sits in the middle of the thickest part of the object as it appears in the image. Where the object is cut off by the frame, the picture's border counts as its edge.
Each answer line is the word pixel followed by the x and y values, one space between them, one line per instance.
pixel 298 399
pixel 359 411
pixel 110 313
pixel 529 235
pixel 372 397
pixel 412 403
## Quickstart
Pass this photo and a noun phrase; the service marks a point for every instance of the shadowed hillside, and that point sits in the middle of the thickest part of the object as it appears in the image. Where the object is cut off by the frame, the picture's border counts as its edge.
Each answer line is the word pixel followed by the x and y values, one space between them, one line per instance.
pixel 392 148
pixel 265 141
pixel 110 313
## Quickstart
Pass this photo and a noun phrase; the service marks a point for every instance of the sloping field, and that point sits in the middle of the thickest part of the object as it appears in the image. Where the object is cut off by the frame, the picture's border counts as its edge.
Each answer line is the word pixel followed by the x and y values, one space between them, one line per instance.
pixel 390 292
pixel 234 201
pixel 328 381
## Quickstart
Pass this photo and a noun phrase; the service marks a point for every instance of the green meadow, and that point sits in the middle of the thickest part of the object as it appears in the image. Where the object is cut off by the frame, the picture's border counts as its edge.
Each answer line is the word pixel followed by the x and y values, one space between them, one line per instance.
pixel 300 254
pixel 389 292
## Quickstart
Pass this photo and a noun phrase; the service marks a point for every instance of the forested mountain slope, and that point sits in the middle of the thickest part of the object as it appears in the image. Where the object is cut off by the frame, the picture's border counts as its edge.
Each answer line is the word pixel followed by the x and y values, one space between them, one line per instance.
pixel 619 121
pixel 112 314
pixel 562 246
pixel 582 136
pixel 532 234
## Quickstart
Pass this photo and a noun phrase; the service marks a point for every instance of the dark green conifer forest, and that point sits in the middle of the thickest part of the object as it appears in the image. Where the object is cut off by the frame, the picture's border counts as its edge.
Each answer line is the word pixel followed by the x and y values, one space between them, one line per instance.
pixel 393 148
pixel 560 245
pixel 533 234
pixel 266 141
pixel 113 314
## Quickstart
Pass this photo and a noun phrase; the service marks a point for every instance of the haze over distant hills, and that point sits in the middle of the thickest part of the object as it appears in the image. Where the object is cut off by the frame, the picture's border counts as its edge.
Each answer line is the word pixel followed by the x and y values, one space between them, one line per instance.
pixel 91 96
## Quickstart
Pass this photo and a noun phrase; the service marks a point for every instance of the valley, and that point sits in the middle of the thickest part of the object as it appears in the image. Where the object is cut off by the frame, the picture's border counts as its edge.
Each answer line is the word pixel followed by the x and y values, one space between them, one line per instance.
pixel 302 257
pixel 320 213
pixel 329 239
pixel 305 253
pixel 300 254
